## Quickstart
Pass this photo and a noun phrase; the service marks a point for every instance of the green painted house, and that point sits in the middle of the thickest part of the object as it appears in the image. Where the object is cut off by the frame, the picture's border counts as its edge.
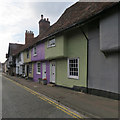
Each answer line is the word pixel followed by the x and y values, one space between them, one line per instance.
pixel 68 59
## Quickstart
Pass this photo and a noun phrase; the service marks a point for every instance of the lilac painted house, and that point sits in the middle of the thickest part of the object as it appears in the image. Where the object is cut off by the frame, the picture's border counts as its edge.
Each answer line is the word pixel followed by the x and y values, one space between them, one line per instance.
pixel 41 67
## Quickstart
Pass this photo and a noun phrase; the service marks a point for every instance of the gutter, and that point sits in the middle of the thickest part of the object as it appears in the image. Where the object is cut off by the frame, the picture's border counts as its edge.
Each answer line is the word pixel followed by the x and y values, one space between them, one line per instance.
pixel 87 55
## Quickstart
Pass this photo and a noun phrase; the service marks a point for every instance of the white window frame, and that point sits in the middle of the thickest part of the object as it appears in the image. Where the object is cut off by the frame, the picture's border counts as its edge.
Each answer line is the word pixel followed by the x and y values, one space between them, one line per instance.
pixel 34 54
pixel 37 68
pixel 50 43
pixel 71 76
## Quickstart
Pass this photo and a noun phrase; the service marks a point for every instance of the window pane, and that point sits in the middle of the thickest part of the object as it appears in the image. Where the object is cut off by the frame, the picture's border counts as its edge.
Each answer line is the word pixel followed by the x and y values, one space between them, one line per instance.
pixel 51 43
pixel 73 67
pixel 38 67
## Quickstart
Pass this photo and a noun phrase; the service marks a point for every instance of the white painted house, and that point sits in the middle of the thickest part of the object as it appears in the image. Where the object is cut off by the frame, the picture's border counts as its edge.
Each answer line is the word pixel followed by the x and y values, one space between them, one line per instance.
pixel 19 64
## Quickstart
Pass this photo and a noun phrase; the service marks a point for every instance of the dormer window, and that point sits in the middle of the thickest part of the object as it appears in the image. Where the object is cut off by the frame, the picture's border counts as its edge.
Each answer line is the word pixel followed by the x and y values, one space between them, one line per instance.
pixel 34 51
pixel 51 43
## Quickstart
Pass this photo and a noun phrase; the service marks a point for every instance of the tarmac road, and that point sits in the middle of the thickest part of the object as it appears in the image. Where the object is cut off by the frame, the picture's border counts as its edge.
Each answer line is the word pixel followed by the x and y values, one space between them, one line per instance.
pixel 19 103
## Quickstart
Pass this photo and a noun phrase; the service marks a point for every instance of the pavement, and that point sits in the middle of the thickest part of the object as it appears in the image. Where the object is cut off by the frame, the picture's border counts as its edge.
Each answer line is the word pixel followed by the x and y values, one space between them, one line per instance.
pixel 88 105
pixel 0 95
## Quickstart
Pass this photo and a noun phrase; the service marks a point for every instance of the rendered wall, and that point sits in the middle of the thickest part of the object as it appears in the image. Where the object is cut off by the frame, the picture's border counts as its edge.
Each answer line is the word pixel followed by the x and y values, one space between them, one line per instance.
pixel 57 51
pixel 40 50
pixel 26 60
pixel 76 47
pixel 102 68
pixel 37 76
pixel 19 63
pixel 109 31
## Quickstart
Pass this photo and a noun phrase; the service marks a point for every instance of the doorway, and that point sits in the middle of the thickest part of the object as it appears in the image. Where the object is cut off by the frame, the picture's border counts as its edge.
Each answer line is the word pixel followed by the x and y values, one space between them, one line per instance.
pixel 52 71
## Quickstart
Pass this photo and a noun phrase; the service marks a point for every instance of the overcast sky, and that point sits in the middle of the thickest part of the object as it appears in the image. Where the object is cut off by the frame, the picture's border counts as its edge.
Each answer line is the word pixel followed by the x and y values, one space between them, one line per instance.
pixel 17 16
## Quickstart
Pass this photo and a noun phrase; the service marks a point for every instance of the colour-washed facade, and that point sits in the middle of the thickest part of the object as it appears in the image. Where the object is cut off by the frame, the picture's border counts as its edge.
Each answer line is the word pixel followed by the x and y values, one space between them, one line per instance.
pixel 56 59
pixel 19 64
pixel 36 57
pixel 103 54
pixel 28 65
pixel 80 56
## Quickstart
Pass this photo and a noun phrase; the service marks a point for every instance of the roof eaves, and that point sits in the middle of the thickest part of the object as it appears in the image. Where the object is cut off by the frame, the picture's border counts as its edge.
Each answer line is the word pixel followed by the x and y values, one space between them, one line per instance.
pixel 81 23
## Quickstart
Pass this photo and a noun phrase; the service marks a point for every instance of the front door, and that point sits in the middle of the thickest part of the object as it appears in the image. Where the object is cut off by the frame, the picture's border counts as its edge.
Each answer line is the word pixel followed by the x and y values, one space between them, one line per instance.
pixel 43 70
pixel 53 72
pixel 18 70
pixel 27 70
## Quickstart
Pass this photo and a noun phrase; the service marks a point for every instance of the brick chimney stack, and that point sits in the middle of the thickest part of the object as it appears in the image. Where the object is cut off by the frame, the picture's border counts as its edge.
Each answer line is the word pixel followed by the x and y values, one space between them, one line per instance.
pixel 43 24
pixel 29 35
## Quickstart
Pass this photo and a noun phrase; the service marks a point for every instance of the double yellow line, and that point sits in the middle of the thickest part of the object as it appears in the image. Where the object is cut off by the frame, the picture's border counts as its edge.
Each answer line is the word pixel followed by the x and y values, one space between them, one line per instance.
pixel 58 106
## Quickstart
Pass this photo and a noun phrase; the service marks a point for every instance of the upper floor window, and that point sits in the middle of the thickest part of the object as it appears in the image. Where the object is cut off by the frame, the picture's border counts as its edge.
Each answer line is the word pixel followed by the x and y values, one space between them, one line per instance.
pixel 51 43
pixel 34 51
pixel 10 58
pixel 27 54
pixel 19 58
pixel 73 68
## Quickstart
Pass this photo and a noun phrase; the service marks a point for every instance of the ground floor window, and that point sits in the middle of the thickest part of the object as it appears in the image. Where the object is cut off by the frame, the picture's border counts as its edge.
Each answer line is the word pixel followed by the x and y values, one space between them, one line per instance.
pixel 38 68
pixel 30 68
pixel 23 69
pixel 73 68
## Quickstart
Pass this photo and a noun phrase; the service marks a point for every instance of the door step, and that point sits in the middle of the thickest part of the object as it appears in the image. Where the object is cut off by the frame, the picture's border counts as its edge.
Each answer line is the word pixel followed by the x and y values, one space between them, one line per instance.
pixel 51 85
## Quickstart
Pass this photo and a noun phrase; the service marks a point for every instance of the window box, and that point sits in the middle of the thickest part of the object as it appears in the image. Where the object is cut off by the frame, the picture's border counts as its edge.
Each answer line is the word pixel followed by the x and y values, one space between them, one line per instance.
pixel 44 81
pixel 39 80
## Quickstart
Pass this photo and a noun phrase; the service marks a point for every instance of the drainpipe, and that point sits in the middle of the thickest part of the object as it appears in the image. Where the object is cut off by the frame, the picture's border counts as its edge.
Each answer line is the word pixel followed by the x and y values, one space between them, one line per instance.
pixel 87 54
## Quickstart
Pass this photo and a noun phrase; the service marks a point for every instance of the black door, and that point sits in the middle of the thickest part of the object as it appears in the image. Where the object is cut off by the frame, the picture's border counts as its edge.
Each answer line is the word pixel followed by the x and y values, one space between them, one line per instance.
pixel 27 70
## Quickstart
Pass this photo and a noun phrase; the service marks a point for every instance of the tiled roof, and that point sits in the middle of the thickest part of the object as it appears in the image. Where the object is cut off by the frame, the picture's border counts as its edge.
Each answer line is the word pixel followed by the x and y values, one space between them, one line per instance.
pixel 77 13
pixel 25 46
pixel 13 47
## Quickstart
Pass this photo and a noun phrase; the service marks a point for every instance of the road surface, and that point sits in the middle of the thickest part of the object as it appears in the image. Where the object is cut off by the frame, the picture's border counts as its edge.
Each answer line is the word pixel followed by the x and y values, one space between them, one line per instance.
pixel 19 103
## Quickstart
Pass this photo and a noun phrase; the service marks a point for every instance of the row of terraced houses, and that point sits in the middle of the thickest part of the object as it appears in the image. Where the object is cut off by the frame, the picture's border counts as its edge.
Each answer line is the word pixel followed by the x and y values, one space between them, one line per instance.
pixel 79 51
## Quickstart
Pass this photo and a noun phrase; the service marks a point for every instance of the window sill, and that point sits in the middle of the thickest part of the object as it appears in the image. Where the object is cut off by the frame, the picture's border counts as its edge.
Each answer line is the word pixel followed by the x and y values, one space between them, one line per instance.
pixel 35 55
pixel 51 46
pixel 38 73
pixel 73 77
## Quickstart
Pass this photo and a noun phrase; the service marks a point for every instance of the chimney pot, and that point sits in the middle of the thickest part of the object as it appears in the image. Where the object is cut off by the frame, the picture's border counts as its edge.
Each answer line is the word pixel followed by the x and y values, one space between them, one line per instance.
pixel 44 24
pixel 41 17
pixel 44 19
